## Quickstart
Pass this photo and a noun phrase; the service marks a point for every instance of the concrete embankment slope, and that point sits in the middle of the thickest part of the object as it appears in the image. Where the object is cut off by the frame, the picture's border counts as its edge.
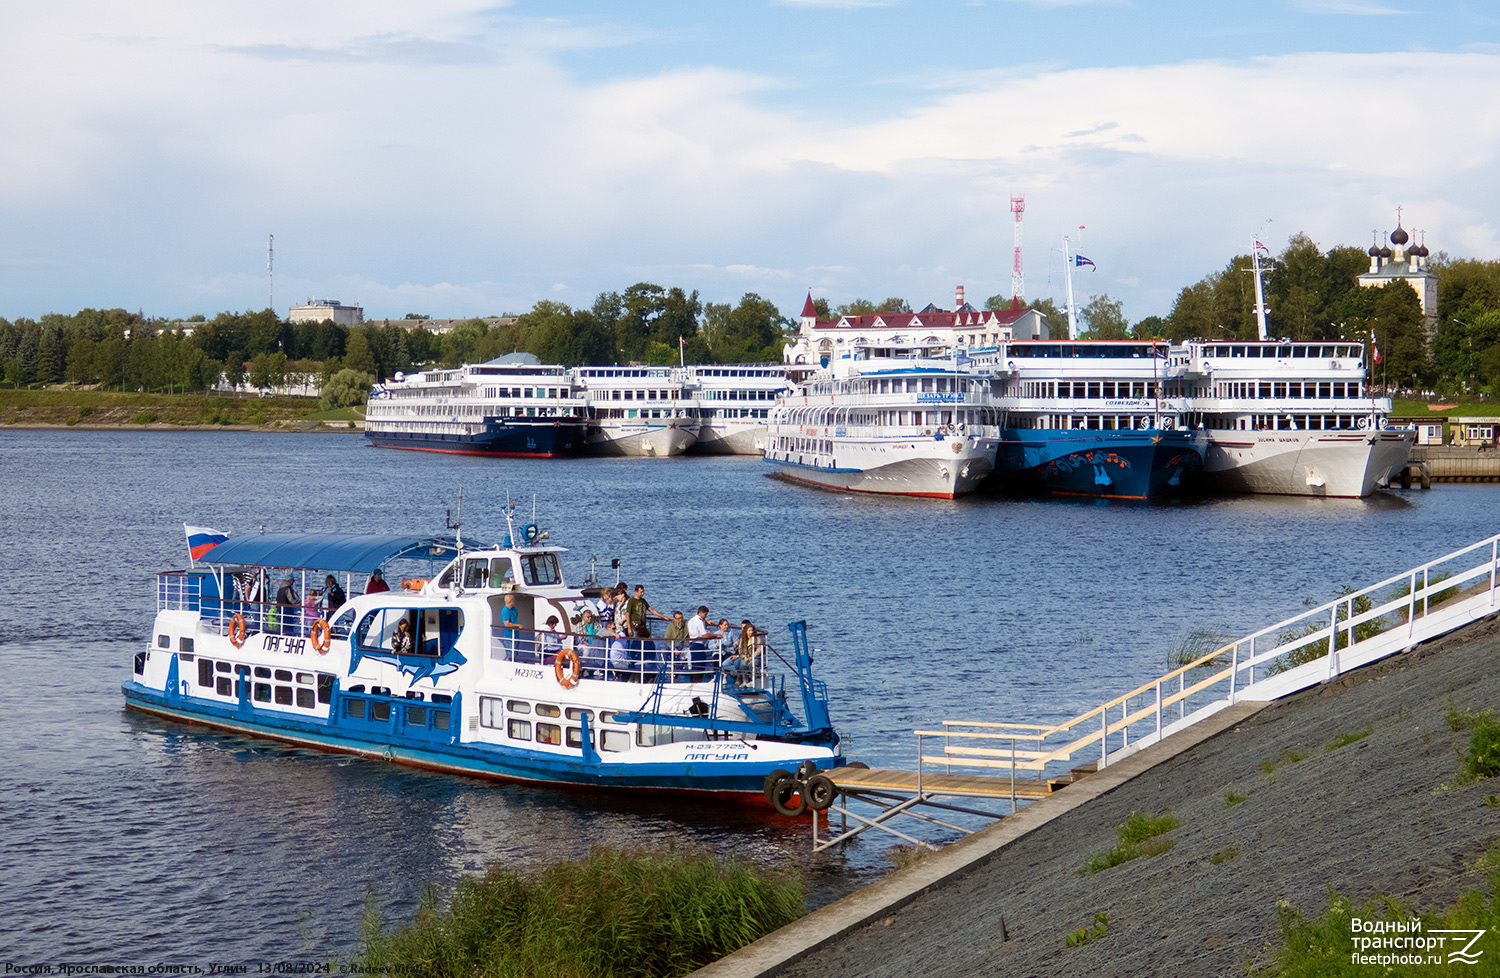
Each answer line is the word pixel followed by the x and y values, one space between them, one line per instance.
pixel 1381 815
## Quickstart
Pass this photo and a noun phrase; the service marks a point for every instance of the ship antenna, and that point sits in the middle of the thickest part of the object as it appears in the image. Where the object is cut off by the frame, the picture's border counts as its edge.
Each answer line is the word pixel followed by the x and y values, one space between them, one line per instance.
pixel 456 525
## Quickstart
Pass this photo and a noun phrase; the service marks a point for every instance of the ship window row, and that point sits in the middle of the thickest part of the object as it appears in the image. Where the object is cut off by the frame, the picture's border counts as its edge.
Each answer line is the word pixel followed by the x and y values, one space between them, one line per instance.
pixel 820 417
pixel 629 394
pixel 639 413
pixel 736 413
pixel 909 385
pixel 512 717
pixel 1288 389
pixel 429 632
pixel 739 395
pixel 553 393
pixel 411 715
pixel 1284 351
pixel 1084 389
pixel 1301 422
pixel 284 687
pixel 1097 422
pixel 740 372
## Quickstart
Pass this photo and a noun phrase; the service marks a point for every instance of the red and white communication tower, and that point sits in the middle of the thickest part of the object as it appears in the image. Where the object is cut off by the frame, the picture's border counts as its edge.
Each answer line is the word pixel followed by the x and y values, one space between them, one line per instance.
pixel 1017 277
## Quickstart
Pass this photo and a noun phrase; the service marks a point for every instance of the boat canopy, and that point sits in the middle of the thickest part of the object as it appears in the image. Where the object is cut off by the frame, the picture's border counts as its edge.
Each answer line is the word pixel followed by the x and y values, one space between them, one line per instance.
pixel 361 552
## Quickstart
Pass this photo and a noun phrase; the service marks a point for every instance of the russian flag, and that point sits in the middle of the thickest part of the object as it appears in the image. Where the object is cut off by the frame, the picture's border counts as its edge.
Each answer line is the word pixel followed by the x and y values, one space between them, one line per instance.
pixel 200 540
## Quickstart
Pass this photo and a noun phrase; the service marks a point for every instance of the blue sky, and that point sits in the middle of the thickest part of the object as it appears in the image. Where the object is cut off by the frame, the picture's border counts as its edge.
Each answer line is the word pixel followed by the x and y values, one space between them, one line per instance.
pixel 469 158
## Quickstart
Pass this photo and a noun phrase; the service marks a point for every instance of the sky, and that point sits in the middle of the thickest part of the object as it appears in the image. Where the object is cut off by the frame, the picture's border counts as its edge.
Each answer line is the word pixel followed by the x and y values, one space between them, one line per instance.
pixel 465 158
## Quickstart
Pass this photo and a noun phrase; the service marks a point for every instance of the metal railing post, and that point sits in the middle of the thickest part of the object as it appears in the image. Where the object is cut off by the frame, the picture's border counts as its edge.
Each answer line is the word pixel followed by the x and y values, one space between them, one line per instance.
pixel 1103 736
pixel 1333 641
pixel 1012 775
pixel 1158 709
pixel 1234 670
pixel 919 764
pixel 1494 559
pixel 1411 605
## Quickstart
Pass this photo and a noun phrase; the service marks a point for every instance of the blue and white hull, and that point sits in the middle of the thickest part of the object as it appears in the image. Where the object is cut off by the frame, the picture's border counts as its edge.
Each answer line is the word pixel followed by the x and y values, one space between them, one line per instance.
pixel 512 439
pixel 1129 464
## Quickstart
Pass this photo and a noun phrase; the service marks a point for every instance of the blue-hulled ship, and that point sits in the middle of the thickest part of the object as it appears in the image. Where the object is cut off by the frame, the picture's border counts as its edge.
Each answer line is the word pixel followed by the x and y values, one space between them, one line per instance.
pixel 1103 419
pixel 512 406
pixel 481 661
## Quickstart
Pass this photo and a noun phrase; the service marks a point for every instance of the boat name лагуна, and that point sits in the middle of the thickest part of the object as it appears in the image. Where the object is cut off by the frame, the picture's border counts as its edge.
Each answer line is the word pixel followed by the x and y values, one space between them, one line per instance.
pixel 480 661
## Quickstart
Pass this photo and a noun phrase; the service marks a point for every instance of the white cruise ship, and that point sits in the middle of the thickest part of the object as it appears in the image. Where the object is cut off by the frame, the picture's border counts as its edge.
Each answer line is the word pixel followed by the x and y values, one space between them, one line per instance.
pixel 513 406
pixel 1289 418
pixel 637 411
pixel 733 403
pixel 885 420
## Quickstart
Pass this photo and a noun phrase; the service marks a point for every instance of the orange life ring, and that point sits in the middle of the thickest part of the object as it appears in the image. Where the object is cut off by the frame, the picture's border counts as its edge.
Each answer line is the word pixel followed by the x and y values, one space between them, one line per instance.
pixel 322 638
pixel 567 677
pixel 413 583
pixel 237 630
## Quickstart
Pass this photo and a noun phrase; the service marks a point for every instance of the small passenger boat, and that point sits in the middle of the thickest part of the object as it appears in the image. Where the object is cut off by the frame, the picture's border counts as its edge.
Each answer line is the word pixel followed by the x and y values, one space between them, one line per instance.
pixel 456 669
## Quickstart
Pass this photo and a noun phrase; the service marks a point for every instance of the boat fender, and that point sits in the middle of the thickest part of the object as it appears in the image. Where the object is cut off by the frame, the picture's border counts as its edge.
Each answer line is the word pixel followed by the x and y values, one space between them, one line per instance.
pixel 943 430
pixel 567 668
pixel 1364 422
pixel 237 630
pixel 322 638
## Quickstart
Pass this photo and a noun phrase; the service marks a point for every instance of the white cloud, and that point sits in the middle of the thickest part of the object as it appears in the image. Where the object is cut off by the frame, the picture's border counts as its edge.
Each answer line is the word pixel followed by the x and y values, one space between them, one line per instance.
pixel 1360 8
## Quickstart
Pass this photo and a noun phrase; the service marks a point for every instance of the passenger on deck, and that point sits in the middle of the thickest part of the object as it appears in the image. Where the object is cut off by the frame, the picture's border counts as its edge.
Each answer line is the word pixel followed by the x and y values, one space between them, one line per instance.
pixel 607 609
pixel 376 583
pixel 310 608
pixel 401 642
pixel 621 664
pixel 510 623
pixel 748 652
pixel 552 642
pixel 590 645
pixel 333 596
pixel 700 655
pixel 676 636
pixel 283 617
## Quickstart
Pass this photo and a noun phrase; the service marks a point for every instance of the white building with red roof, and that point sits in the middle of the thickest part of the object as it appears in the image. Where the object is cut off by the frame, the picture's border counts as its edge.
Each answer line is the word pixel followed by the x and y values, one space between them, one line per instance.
pixel 932 330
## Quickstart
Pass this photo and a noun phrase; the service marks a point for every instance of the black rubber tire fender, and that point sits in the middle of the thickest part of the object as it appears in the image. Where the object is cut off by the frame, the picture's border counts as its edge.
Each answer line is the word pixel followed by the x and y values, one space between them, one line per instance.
pixel 788 798
pixel 820 791
pixel 771 780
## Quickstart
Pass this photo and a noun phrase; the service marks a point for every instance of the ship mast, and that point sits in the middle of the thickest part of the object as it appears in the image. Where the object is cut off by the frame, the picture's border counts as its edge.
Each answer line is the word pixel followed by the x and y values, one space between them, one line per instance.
pixel 1068 272
pixel 1260 296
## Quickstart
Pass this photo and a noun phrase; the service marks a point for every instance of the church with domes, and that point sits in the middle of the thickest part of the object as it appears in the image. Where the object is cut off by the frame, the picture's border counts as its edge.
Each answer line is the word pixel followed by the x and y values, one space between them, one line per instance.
pixel 1396 262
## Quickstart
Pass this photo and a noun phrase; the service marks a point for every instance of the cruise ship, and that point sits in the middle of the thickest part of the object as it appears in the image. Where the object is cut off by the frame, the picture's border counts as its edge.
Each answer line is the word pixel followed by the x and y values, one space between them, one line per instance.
pixel 1085 418
pixel 1289 418
pixel 887 420
pixel 733 404
pixel 513 406
pixel 637 411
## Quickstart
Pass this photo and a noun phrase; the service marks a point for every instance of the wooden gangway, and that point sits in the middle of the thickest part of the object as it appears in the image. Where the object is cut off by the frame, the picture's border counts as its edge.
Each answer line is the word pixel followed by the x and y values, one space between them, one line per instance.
pixel 864 780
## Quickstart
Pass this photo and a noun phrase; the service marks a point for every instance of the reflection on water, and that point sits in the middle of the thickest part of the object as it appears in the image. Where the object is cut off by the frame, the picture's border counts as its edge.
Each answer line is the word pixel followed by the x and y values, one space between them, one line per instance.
pixel 129 837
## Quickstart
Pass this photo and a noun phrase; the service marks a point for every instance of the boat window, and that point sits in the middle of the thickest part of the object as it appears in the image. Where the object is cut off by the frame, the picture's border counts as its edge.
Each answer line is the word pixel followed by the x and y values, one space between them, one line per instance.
pixel 205 672
pixel 575 737
pixel 441 698
pixel 262 672
pixel 501 573
pixel 284 695
pixel 518 706
pixel 223 686
pixel 341 625
pixel 163 642
pixel 614 740
pixel 547 710
pixel 262 692
pixel 476 573
pixel 574 713
pixel 284 675
pixel 380 711
pixel 490 714
pixel 325 688
pixel 416 716
pixel 549 733
pixel 445 579
pixel 355 708
pixel 519 729
pixel 440 719
pixel 305 678
pixel 541 569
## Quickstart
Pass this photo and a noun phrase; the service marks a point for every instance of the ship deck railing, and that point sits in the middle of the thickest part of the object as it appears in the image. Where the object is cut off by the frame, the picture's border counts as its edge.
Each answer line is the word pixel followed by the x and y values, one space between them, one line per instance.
pixel 183 591
pixel 642 660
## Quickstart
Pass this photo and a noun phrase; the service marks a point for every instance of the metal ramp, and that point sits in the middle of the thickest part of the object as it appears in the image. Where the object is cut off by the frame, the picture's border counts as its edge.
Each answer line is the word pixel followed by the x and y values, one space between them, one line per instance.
pixel 1356 629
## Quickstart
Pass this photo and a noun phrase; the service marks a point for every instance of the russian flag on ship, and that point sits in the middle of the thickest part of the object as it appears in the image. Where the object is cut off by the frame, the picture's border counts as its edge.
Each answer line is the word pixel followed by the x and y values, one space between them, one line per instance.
pixel 200 540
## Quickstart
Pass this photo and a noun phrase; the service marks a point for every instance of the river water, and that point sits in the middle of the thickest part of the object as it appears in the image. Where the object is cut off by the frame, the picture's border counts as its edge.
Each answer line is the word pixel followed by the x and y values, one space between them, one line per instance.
pixel 130 839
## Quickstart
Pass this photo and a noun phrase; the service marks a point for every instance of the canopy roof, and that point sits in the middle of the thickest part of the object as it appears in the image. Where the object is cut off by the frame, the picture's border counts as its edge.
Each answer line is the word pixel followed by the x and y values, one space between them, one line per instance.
pixel 362 552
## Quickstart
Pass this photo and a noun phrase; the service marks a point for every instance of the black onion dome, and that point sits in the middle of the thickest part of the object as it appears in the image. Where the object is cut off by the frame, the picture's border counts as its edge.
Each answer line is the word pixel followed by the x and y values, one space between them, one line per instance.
pixel 1374 251
pixel 1385 252
pixel 1399 236
pixel 1420 251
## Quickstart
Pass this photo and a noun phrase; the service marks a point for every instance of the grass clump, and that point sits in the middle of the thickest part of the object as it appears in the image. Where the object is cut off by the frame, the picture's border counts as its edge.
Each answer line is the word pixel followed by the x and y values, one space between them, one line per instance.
pixel 1085 934
pixel 904 856
pixel 612 913
pixel 1138 837
pixel 1324 946
pixel 1483 758
pixel 1344 740
pixel 1231 799
pixel 143 417
pixel 1224 855
pixel 1463 719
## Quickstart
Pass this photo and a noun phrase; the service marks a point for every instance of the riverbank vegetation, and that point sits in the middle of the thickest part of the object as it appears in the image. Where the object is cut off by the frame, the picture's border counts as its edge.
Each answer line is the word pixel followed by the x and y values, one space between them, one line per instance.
pixel 612 913
pixel 72 407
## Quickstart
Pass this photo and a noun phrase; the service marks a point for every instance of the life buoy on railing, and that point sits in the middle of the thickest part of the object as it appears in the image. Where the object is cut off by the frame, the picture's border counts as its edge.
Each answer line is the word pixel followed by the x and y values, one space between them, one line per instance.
pixel 413 583
pixel 237 630
pixel 942 429
pixel 322 637
pixel 567 668
pixel 1364 422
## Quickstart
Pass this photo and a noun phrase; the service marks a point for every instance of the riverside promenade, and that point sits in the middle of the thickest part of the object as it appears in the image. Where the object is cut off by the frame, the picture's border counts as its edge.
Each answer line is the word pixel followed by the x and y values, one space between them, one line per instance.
pixel 1382 815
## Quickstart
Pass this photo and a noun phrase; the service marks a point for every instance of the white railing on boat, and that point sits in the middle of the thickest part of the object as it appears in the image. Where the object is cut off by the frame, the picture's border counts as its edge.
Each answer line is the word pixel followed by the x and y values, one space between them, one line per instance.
pixel 635 659
pixel 1355 629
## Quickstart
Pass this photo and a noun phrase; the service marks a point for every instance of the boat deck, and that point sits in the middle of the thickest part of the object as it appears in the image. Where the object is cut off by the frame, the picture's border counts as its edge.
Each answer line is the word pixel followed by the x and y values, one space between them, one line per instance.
pixel 857 780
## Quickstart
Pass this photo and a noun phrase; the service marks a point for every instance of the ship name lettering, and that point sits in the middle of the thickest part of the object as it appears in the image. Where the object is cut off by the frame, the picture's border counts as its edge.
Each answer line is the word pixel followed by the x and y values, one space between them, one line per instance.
pixel 528 674
pixel 285 644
